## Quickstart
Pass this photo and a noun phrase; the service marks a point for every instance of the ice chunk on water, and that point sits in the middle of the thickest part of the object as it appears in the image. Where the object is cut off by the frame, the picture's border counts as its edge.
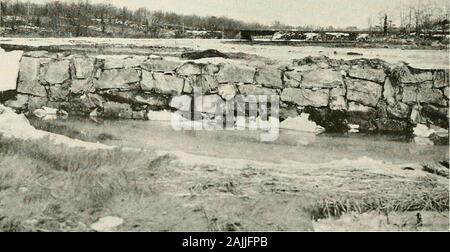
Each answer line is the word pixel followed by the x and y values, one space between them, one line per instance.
pixel 301 123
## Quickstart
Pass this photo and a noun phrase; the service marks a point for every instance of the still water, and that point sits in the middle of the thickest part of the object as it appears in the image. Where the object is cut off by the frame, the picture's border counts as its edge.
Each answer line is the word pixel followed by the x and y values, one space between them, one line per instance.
pixel 290 146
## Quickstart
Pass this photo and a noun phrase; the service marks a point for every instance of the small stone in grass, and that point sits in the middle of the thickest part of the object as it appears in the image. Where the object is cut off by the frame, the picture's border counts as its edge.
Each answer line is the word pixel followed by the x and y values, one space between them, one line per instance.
pixel 106 224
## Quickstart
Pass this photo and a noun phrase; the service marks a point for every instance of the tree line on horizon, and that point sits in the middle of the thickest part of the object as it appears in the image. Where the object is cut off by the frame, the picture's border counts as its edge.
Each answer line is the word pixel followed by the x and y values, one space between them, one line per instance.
pixel 77 16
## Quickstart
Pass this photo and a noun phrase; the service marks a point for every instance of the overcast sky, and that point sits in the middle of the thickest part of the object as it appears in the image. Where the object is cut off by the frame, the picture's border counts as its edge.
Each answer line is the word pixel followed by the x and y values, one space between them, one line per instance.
pixel 339 13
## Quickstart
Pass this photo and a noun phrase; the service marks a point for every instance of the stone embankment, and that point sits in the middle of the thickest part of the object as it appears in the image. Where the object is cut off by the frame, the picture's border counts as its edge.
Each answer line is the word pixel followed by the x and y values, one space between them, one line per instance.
pixel 375 95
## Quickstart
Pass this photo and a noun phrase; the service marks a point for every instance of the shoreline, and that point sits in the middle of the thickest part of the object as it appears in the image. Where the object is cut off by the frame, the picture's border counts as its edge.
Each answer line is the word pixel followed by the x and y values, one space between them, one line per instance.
pixel 342 44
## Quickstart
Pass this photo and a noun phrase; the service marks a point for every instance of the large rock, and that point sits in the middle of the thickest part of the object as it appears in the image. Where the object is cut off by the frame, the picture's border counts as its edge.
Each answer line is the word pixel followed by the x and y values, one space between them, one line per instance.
pixel 106 224
pixel 210 104
pixel 359 108
pixel 227 91
pixel 231 73
pixel 429 95
pixel 399 110
pixel 118 79
pixel 28 82
pixel 441 79
pixel 323 78
pixel 189 68
pixel 46 113
pixel 365 92
pixel 114 63
pixel 306 97
pixel 135 97
pixel 408 77
pixel 409 94
pixel 292 79
pixel 210 69
pixel 255 90
pixel 436 115
pixel 59 92
pixel 387 125
pixel 376 75
pixel 17 126
pixel 35 102
pixel 161 83
pixel 189 83
pixel 415 116
pixel 82 86
pixel 288 112
pixel 440 136
pixel 181 102
pixel 389 92
pixel 9 70
pixel 337 99
pixel 422 131
pixel 160 65
pixel 437 135
pixel 117 110
pixel 84 67
pixel 301 123
pixel 14 125
pixel 85 104
pixel 19 103
pixel 446 92
pixel 331 120
pixel 36 54
pixel 269 77
pixel 151 100
pixel 209 83
pixel 204 83
pixel 57 72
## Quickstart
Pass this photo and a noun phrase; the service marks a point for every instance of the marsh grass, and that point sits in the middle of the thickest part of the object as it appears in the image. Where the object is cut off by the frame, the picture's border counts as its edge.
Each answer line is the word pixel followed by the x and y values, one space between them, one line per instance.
pixel 427 195
pixel 436 168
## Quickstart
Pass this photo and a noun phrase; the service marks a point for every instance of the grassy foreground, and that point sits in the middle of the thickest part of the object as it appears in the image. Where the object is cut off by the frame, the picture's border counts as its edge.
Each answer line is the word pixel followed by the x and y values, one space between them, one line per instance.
pixel 44 187
pixel 54 188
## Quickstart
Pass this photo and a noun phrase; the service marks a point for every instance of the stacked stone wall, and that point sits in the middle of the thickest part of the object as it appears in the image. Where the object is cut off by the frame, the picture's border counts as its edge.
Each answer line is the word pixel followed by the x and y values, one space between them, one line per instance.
pixel 371 93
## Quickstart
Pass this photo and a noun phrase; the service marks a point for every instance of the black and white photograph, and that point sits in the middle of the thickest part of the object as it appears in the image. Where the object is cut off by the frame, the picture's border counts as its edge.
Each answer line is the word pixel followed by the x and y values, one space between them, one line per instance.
pixel 227 116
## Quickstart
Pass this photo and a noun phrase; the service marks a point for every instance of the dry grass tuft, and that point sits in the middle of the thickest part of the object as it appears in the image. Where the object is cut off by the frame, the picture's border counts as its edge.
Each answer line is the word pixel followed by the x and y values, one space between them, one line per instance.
pixel 436 168
pixel 429 196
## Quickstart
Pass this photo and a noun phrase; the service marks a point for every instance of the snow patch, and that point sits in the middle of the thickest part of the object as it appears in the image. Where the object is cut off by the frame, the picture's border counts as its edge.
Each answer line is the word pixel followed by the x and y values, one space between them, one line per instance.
pixel 302 123
pixel 9 69
pixel 13 125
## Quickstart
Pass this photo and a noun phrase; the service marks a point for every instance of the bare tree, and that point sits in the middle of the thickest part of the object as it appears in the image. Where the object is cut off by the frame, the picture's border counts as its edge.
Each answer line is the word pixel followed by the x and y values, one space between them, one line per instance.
pixel 124 18
pixel 2 12
pixel 385 25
